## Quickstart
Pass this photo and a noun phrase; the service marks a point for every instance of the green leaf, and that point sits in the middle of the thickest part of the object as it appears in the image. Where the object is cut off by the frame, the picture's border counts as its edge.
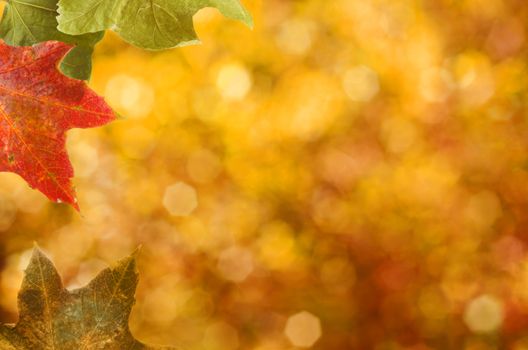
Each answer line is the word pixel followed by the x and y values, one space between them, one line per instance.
pixel 93 317
pixel 153 24
pixel 29 22
pixel 77 63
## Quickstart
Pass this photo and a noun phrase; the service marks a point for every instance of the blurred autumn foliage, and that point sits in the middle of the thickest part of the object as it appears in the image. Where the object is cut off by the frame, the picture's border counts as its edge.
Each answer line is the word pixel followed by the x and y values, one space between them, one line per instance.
pixel 348 175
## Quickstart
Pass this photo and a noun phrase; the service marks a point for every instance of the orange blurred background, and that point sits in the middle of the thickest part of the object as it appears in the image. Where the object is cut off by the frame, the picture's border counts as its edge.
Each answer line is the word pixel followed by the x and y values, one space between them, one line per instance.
pixel 348 175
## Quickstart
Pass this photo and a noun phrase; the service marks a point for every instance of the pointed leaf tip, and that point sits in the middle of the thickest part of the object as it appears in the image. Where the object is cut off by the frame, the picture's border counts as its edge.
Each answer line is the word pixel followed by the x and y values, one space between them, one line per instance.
pixel 38 253
pixel 137 251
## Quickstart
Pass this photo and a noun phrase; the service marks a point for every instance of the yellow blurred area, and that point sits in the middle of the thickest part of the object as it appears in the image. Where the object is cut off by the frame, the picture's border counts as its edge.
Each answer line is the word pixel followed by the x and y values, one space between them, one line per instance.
pixel 348 175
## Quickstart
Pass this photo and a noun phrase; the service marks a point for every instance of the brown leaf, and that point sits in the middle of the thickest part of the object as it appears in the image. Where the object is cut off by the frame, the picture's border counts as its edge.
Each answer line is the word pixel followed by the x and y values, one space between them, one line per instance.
pixel 89 318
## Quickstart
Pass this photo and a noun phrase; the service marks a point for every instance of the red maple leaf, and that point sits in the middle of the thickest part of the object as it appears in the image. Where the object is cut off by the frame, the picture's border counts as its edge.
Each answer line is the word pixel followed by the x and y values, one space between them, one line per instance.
pixel 37 106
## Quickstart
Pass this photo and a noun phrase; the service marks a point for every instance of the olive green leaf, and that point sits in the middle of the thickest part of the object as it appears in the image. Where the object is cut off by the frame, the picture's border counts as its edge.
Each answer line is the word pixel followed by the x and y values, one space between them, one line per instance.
pixel 28 22
pixel 93 317
pixel 152 24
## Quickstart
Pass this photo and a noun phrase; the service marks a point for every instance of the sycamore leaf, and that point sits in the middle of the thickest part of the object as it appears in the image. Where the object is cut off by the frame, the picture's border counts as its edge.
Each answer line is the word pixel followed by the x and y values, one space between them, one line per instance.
pixel 153 24
pixel 37 106
pixel 30 22
pixel 89 318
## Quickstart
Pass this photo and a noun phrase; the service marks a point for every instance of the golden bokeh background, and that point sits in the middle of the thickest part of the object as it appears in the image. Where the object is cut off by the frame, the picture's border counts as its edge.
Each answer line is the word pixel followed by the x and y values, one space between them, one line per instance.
pixel 351 174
